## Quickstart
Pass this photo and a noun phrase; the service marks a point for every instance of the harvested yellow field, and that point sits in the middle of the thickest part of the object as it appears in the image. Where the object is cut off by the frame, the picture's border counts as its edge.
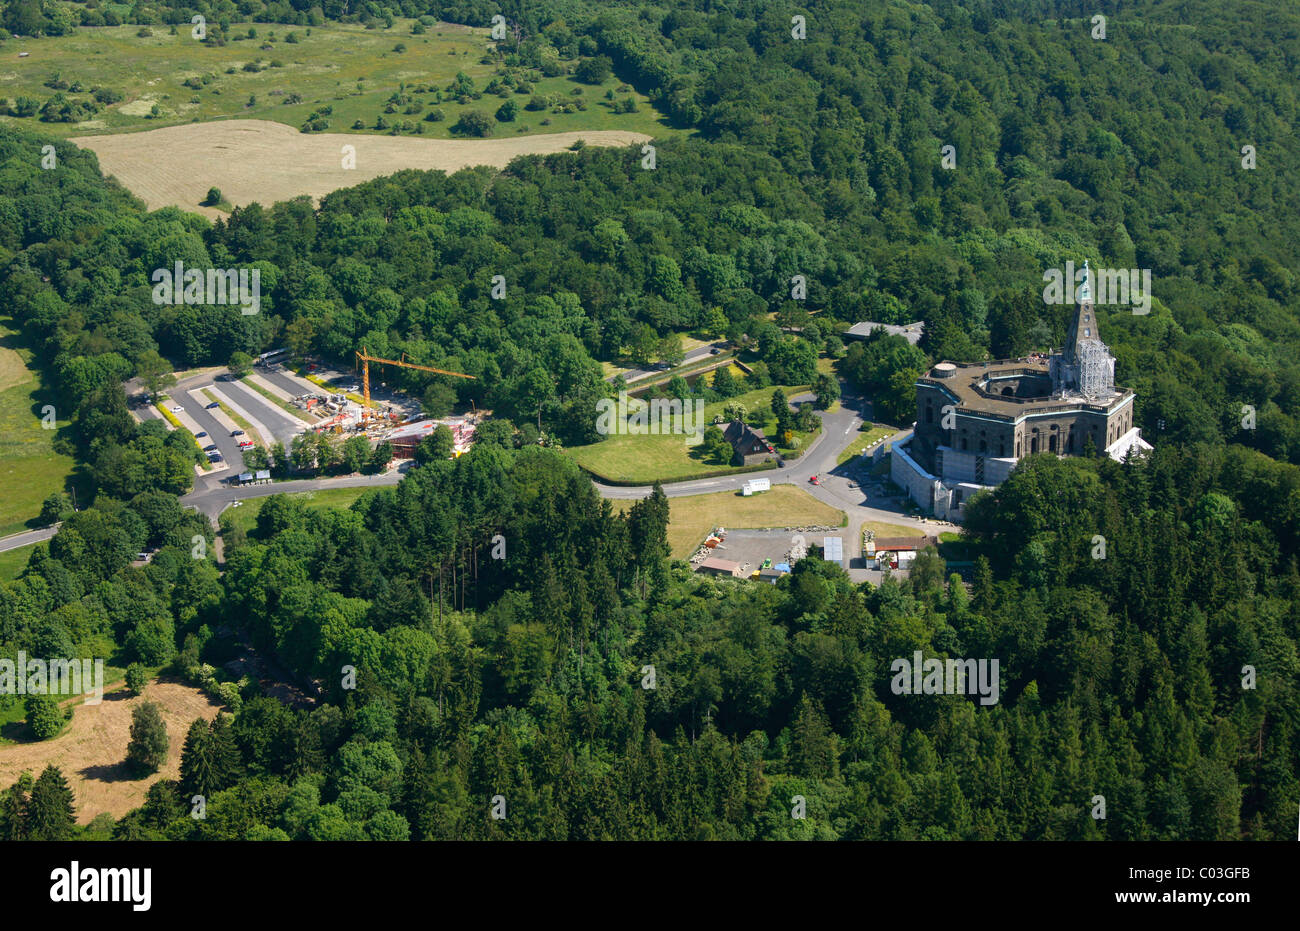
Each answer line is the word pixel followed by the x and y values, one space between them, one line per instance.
pixel 264 162
pixel 91 752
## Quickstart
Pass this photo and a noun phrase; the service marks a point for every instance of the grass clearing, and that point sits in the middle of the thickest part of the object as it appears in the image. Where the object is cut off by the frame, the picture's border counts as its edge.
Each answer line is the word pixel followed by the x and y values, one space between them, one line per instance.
pixel 236 125
pixel 245 516
pixel 646 458
pixel 91 751
pixel 690 518
pixel 864 439
pixel 259 161
pixel 345 66
pixel 13 562
pixel 30 469
pixel 898 531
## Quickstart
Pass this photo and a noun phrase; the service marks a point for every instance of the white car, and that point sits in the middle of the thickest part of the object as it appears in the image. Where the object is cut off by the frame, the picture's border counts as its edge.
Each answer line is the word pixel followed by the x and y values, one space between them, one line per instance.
pixel 177 409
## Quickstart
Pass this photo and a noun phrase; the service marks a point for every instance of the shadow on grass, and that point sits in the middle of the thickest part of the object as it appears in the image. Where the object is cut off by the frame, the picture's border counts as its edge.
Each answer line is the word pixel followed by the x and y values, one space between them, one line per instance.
pixel 111 772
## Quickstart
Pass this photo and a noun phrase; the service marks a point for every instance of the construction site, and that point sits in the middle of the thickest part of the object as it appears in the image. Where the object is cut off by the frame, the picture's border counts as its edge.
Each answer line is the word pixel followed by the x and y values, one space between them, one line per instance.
pixel 381 415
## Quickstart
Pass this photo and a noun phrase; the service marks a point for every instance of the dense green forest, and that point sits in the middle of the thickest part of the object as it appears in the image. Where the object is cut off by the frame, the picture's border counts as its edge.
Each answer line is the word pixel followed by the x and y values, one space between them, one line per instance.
pixel 817 157
pixel 524 677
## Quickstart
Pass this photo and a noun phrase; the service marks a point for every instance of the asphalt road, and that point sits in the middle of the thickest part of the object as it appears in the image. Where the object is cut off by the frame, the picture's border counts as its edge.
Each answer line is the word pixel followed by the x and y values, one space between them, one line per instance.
pixel 838 486
pixel 695 355
pixel 214 497
pixel 26 538
pixel 837 482
pixel 276 376
pixel 280 422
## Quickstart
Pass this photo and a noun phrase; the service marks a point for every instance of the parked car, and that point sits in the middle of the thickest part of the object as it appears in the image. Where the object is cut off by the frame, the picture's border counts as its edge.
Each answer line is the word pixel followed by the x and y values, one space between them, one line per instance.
pixel 215 457
pixel 200 435
pixel 210 448
pixel 236 432
pixel 214 404
pixel 814 479
pixel 177 409
pixel 246 444
pixel 714 351
pixel 351 388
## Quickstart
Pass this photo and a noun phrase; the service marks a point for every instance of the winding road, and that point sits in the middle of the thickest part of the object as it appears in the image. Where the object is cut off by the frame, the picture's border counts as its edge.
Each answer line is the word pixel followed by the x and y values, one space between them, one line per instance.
pixel 839 487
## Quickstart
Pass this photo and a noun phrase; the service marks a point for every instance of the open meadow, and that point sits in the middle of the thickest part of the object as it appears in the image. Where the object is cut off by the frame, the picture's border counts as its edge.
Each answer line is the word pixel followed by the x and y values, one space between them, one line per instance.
pixel 357 72
pixel 30 469
pixel 91 749
pixel 642 459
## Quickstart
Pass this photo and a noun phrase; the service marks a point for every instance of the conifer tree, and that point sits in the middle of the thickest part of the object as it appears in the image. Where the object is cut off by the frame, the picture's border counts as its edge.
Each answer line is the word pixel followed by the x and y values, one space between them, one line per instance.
pixel 197 776
pixel 51 814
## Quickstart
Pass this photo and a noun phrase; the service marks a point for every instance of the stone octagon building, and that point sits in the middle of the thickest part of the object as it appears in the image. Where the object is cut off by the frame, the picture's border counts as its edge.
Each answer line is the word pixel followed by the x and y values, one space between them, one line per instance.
pixel 976 421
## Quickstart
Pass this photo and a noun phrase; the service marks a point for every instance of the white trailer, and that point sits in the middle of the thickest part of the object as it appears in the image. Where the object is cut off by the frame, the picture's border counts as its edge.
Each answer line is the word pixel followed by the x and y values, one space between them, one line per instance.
pixel 756 485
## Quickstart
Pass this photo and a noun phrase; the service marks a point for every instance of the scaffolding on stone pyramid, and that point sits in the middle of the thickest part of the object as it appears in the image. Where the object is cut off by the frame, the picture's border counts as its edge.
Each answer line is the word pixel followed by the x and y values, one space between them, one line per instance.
pixel 1096 369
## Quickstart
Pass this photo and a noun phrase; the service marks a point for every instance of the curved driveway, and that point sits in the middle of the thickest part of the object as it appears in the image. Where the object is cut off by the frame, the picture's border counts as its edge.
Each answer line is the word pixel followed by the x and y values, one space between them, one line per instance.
pixel 212 495
pixel 837 481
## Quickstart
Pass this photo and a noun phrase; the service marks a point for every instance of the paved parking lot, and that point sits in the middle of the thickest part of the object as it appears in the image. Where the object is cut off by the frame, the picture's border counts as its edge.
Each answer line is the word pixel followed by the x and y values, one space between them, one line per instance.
pixel 270 422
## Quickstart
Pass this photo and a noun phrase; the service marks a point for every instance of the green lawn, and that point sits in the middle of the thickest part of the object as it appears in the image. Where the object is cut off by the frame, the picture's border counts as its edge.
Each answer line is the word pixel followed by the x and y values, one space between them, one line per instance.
pixel 957 547
pixel 30 469
pixel 870 433
pixel 691 518
pixel 13 562
pixel 12 707
pixel 245 516
pixel 628 458
pixel 347 67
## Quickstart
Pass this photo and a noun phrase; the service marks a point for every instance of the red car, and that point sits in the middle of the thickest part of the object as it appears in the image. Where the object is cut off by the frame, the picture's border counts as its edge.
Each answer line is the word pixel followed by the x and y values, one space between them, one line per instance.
pixel 814 479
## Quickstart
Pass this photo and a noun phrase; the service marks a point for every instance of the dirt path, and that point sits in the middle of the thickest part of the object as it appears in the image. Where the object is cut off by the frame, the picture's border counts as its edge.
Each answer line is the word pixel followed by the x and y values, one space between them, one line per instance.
pixel 92 751
pixel 257 160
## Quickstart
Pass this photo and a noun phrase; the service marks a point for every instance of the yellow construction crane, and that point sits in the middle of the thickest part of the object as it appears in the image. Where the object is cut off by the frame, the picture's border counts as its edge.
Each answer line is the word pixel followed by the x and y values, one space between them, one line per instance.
pixel 365 358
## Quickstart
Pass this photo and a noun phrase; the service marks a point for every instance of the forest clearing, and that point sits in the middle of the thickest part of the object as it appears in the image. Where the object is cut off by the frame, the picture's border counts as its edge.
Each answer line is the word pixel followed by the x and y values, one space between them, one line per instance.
pixel 91 750
pixel 264 162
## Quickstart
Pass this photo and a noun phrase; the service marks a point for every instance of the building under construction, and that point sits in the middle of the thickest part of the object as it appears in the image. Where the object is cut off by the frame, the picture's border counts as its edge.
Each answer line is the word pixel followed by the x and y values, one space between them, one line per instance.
pixel 342 414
